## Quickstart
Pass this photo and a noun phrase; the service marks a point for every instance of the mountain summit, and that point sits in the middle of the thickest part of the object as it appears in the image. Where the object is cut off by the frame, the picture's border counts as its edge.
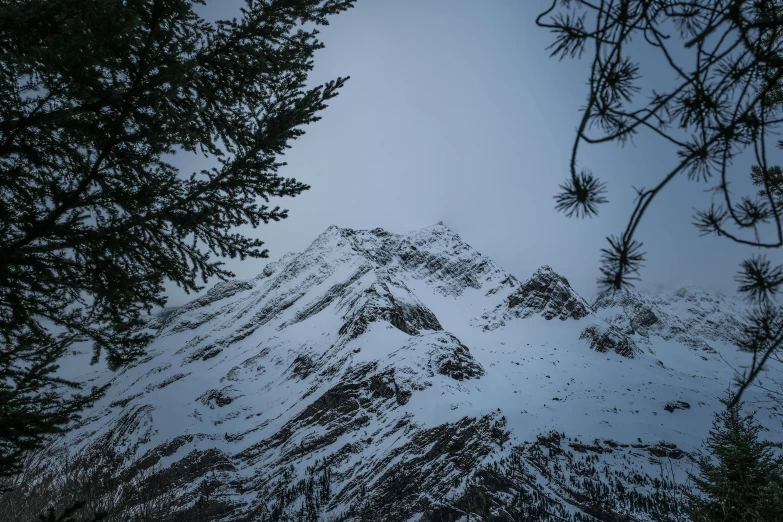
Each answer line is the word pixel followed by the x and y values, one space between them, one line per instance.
pixel 402 377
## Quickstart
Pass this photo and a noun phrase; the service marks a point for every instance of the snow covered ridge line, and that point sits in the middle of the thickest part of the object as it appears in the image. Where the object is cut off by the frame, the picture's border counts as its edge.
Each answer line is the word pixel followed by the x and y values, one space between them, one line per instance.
pixel 381 376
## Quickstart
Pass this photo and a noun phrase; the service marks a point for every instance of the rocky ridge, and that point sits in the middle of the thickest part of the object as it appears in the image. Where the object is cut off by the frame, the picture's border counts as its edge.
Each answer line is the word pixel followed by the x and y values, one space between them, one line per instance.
pixel 408 375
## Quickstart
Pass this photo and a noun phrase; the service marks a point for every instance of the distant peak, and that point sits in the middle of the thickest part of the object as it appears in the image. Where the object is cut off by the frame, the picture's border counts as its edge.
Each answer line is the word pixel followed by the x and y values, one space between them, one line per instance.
pixel 331 231
pixel 439 224
pixel 546 293
pixel 690 290
pixel 438 228
pixel 546 272
pixel 345 231
pixel 378 231
pixel 612 296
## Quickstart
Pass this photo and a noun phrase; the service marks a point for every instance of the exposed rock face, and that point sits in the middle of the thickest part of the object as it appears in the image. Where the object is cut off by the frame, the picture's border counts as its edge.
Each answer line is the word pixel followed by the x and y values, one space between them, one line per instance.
pixel 396 377
pixel 435 255
pixel 677 405
pixel 219 398
pixel 453 359
pixel 692 317
pixel 549 294
pixel 221 290
pixel 389 302
pixel 609 338
pixel 546 293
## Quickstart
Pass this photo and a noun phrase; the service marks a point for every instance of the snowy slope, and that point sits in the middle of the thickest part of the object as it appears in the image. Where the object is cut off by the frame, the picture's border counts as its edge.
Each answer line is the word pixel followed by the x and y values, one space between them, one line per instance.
pixel 424 382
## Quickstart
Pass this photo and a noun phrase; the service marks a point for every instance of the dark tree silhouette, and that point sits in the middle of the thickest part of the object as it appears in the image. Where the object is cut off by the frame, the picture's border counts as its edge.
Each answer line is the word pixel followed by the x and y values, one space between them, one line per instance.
pixel 96 96
pixel 69 515
pixel 725 100
pixel 739 478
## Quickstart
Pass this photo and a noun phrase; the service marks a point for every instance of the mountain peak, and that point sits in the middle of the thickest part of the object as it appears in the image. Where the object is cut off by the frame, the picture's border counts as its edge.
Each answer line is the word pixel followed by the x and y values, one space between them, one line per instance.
pixel 438 228
pixel 548 293
pixel 545 293
pixel 547 272
pixel 355 378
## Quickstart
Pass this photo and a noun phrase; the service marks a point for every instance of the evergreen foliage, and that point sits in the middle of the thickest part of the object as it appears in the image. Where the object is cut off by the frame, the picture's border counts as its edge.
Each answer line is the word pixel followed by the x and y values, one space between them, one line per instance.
pixel 69 515
pixel 771 184
pixel 725 99
pixel 740 478
pixel 96 97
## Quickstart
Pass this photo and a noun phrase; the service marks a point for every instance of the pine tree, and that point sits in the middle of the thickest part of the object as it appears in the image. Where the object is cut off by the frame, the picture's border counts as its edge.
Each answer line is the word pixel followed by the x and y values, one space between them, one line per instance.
pixel 771 183
pixel 96 97
pixel 740 479
pixel 723 98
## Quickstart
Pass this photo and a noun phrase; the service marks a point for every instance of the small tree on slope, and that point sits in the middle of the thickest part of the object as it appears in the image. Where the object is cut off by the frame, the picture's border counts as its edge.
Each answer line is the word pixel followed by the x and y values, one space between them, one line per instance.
pixel 740 479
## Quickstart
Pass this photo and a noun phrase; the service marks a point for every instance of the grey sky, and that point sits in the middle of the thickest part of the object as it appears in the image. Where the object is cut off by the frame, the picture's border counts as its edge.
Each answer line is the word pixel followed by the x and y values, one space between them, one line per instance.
pixel 455 112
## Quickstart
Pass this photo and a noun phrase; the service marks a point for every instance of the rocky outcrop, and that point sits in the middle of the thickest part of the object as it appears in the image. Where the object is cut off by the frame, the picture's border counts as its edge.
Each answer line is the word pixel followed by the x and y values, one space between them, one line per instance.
pixel 671 406
pixel 692 317
pixel 391 302
pixel 222 290
pixel 453 359
pixel 604 338
pixel 545 293
pixel 435 254
pixel 219 398
pixel 430 461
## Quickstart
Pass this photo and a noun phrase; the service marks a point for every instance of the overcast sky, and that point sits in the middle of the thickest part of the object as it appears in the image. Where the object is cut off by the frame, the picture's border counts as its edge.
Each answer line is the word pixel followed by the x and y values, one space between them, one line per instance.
pixel 455 112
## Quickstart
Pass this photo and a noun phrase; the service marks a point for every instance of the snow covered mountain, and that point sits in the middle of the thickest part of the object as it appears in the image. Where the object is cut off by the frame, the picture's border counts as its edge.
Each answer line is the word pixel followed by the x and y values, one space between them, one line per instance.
pixel 378 376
